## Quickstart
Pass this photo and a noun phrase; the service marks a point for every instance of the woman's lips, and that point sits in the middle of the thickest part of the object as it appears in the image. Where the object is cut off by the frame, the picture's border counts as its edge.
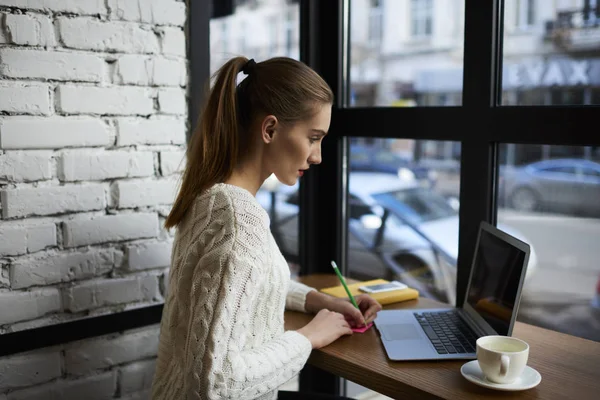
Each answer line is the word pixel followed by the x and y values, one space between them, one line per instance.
pixel 300 172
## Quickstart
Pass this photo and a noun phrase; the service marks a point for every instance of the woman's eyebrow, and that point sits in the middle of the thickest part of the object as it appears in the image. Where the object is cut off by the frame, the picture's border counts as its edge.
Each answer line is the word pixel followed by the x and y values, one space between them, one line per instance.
pixel 319 131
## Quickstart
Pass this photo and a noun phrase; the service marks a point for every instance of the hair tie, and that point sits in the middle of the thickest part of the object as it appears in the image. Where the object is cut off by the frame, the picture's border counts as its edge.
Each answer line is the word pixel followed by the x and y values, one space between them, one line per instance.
pixel 249 66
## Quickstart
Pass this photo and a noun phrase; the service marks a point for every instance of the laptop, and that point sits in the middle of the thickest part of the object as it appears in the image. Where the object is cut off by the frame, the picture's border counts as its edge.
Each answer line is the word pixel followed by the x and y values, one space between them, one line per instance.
pixel 490 307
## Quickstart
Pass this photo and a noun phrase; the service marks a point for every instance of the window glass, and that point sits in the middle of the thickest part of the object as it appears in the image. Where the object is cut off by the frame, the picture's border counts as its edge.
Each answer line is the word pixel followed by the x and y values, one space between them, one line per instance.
pixel 551 52
pixel 406 53
pixel 548 197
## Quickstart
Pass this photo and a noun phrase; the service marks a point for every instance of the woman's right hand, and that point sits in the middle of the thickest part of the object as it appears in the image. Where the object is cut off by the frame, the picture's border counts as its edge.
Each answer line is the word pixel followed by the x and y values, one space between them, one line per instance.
pixel 325 327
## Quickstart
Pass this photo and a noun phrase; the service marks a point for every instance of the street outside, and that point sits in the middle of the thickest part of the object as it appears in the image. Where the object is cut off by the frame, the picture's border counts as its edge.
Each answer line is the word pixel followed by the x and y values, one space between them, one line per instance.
pixel 559 295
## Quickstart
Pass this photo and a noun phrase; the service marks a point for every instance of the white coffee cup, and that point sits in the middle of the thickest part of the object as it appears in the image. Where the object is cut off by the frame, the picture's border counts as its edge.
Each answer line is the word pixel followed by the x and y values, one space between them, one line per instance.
pixel 502 359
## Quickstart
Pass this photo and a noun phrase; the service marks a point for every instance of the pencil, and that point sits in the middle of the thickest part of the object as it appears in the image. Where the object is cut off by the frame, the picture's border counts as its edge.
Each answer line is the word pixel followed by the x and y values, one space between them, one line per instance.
pixel 339 274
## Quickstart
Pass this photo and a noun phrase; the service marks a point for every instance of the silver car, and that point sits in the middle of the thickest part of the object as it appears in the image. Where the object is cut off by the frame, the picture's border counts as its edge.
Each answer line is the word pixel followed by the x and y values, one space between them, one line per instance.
pixel 567 185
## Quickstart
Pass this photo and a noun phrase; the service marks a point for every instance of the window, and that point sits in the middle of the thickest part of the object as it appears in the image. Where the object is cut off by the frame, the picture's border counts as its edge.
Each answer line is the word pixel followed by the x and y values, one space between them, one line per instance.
pixel 556 61
pixel 391 66
pixel 422 17
pixel 552 204
pixel 403 213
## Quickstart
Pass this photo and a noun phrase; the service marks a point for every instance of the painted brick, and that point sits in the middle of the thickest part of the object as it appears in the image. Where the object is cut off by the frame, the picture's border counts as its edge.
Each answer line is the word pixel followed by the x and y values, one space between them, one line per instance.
pixel 72 6
pixel 29 97
pixel 151 131
pixel 173 42
pixel 134 69
pixel 18 306
pixel 29 369
pixel 20 239
pixel 56 65
pixel 172 101
pixel 52 132
pixel 50 200
pixel 25 166
pixel 61 267
pixel 149 255
pixel 30 29
pixel 119 100
pixel 111 292
pixel 158 12
pixel 172 162
pixel 100 165
pixel 86 356
pixel 110 228
pixel 137 376
pixel 131 194
pixel 93 387
pixel 91 34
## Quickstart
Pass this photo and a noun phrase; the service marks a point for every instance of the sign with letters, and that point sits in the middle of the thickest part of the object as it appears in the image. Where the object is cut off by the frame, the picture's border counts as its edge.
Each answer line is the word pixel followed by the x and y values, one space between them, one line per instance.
pixel 553 72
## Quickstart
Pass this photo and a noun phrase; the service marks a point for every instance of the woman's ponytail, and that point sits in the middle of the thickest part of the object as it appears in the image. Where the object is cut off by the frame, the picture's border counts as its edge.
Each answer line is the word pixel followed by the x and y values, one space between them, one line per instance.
pixel 214 147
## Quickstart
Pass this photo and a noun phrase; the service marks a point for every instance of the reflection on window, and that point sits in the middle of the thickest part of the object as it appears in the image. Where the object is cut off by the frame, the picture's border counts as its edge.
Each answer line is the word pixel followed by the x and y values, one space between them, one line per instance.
pixel 549 196
pixel 417 204
pixel 391 64
pixel 258 29
pixel 403 213
pixel 551 53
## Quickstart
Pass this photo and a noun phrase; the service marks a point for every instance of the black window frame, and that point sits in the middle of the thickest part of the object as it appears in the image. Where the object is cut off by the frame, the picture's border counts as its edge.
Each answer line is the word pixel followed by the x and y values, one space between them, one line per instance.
pixel 324 44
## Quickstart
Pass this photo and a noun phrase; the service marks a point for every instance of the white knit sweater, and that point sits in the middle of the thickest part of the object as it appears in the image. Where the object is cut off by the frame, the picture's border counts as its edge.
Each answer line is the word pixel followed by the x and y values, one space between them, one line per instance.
pixel 221 334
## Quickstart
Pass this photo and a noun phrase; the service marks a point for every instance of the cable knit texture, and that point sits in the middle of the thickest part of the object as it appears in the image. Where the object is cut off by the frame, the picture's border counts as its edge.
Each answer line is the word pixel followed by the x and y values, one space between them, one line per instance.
pixel 221 334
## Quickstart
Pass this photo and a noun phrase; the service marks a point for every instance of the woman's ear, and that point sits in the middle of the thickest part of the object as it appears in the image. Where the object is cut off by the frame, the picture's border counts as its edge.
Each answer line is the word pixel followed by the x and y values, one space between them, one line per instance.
pixel 268 128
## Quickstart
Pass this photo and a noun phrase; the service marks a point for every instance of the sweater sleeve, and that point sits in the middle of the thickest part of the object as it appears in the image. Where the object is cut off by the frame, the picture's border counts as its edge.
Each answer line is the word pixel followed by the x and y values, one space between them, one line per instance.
pixel 296 296
pixel 220 364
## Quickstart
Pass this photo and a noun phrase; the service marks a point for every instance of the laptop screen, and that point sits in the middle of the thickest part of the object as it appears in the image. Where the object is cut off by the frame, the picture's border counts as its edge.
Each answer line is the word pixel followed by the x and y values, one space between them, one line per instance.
pixel 495 281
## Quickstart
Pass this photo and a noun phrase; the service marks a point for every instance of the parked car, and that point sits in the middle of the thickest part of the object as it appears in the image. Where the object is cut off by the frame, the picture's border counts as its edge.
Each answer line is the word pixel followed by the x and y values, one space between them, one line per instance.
pixel 397 230
pixel 567 185
pixel 371 159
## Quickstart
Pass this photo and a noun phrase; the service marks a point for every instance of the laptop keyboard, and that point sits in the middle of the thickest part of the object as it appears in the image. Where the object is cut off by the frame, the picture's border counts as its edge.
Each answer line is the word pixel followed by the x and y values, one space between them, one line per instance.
pixel 447 332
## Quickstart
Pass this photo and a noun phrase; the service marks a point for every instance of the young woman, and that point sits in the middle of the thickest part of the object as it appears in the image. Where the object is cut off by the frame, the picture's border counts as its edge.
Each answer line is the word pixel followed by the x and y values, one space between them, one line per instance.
pixel 222 334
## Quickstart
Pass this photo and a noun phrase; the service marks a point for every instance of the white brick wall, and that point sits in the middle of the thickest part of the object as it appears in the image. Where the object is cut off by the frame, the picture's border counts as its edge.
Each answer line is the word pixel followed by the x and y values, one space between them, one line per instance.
pixel 85 357
pixel 29 369
pixel 16 239
pixel 94 387
pixel 31 30
pixel 111 228
pixel 171 162
pixel 55 267
pixel 101 165
pixel 28 166
pixel 47 200
pixel 109 292
pixel 52 132
pixel 93 122
pixel 137 376
pixel 161 12
pixel 27 98
pixel 58 65
pixel 117 100
pixel 150 131
pixel 25 305
pixel 92 34
pixel 130 194
pixel 85 7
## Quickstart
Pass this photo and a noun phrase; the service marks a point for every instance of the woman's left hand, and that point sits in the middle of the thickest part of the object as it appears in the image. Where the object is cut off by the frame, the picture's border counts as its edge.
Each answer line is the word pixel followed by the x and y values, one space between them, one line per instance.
pixel 369 307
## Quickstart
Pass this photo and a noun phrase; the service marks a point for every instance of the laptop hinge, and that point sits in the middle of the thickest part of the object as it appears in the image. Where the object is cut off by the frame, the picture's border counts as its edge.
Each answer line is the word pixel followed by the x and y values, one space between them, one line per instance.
pixel 471 322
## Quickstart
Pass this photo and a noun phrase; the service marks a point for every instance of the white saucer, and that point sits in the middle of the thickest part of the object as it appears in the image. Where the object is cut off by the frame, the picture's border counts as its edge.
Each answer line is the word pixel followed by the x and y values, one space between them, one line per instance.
pixel 529 379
